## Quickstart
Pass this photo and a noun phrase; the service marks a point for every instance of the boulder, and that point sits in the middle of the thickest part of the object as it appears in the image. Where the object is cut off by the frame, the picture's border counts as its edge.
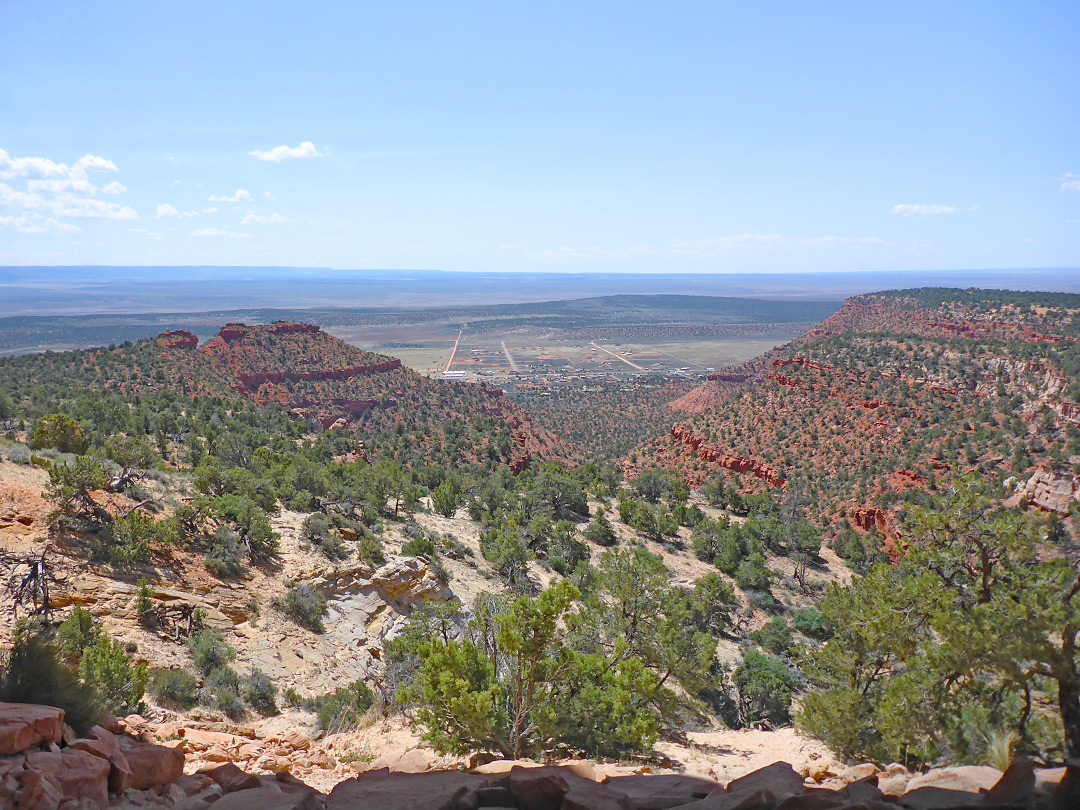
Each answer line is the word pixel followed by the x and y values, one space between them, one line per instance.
pixel 230 777
pixel 779 779
pixel 962 778
pixel 594 796
pixel 269 798
pixel 541 788
pixel 193 784
pixel 434 790
pixel 659 792
pixel 415 760
pixel 80 775
pixel 498 766
pixel 23 725
pixel 40 791
pixel 936 798
pixel 1016 785
pixel 154 765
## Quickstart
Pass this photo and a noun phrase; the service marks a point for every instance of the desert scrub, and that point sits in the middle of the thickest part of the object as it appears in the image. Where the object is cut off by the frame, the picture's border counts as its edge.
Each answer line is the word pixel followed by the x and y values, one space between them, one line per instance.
pixel 304 605
pixel 174 687
pixel 342 709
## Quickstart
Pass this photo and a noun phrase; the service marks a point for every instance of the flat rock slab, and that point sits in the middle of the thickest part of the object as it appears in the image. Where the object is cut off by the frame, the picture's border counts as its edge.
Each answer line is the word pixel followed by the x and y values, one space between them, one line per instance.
pixel 23 725
pixel 269 798
pixel 437 790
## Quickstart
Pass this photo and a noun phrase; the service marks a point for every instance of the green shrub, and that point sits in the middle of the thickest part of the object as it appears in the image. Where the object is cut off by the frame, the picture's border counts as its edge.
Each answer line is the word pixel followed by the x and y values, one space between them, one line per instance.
pixel 223 685
pixel 369 549
pixel 753 573
pixel 35 674
pixel 223 553
pixel 77 632
pixel 811 622
pixel 444 499
pixel 209 651
pixel 342 709
pixel 419 547
pixel 304 605
pixel 600 530
pixel 764 686
pixel 174 687
pixel 60 431
pixel 105 665
pixel 144 604
pixel 775 637
pixel 260 693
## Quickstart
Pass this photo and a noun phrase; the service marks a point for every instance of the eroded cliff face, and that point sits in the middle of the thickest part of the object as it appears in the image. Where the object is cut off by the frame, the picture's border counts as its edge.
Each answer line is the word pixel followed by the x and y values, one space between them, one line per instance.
pixel 894 392
pixel 728 461
pixel 1052 490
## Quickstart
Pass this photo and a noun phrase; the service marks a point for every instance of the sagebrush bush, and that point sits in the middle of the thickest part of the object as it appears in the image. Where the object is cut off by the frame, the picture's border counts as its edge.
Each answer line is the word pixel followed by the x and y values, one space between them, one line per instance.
pixel 209 651
pixel 342 709
pixel 260 692
pixel 174 687
pixel 304 605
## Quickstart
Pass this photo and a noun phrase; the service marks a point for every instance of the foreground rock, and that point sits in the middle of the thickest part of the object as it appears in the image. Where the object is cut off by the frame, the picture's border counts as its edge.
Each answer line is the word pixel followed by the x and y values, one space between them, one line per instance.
pixel 48 768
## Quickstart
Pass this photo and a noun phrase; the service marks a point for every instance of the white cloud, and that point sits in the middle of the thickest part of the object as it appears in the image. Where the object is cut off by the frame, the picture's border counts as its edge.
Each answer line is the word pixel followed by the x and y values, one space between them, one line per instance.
pixel 166 210
pixel 279 153
pixel 255 219
pixel 723 245
pixel 60 189
pixel 912 210
pixel 93 163
pixel 36 168
pixel 27 225
pixel 1071 182
pixel 266 195
pixel 241 195
pixel 114 187
pixel 209 210
pixel 219 232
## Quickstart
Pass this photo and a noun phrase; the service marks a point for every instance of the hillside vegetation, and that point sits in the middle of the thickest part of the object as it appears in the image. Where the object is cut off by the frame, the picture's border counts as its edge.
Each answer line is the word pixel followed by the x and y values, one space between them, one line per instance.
pixel 315 530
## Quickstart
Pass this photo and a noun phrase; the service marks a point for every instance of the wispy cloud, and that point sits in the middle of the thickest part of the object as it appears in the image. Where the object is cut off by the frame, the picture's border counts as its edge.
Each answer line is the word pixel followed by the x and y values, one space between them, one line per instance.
pixel 1071 182
pixel 219 232
pixel 912 210
pixel 165 210
pixel 115 187
pixel 266 195
pixel 241 195
pixel 28 225
pixel 256 219
pixel 279 153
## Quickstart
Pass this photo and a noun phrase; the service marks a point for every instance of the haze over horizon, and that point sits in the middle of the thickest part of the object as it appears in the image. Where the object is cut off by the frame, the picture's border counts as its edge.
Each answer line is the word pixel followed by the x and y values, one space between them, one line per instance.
pixel 623 138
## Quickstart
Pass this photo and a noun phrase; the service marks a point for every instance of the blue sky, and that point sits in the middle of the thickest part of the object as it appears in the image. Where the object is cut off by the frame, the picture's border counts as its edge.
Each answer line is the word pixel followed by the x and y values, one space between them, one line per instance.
pixel 622 137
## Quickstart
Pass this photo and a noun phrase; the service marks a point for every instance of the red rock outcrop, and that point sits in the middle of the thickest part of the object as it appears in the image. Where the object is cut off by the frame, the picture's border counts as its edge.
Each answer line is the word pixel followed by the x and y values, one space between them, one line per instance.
pixel 177 339
pixel 290 327
pixel 233 331
pixel 870 517
pixel 714 455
